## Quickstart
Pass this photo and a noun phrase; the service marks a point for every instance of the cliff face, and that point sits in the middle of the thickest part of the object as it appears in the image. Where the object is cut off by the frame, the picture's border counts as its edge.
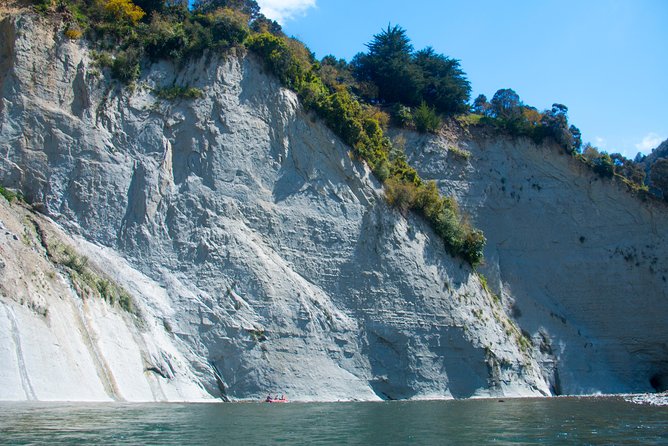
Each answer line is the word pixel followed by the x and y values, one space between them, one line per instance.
pixel 579 259
pixel 61 341
pixel 261 258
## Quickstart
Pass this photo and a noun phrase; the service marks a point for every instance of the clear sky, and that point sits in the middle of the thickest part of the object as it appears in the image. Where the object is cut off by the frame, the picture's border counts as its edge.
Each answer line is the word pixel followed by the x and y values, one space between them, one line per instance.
pixel 606 60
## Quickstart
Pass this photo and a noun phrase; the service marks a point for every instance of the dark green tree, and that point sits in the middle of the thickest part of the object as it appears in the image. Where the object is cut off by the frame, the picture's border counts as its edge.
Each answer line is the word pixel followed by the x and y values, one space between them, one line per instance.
pixel 511 114
pixel 506 104
pixel 555 124
pixel 628 169
pixel 576 134
pixel 150 6
pixel 388 64
pixel 262 24
pixel 248 7
pixel 481 106
pixel 335 72
pixel 603 165
pixel 444 84
pixel 658 174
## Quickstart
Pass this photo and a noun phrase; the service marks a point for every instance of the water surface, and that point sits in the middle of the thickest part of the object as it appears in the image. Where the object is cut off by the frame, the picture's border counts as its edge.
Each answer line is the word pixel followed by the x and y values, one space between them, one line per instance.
pixel 512 421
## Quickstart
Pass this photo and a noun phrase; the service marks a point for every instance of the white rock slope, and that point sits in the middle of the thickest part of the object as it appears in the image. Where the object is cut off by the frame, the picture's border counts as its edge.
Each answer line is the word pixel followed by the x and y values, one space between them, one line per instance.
pixel 60 341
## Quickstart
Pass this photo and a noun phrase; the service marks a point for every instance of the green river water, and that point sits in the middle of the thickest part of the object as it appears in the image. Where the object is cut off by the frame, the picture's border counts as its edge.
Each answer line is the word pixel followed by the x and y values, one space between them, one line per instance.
pixel 611 420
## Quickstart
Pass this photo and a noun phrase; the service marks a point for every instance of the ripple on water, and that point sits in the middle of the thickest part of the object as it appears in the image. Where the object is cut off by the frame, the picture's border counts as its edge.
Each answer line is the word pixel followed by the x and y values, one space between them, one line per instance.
pixel 513 421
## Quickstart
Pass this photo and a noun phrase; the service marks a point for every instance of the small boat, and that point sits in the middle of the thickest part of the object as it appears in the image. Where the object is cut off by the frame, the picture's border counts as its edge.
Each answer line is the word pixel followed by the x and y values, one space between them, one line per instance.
pixel 276 399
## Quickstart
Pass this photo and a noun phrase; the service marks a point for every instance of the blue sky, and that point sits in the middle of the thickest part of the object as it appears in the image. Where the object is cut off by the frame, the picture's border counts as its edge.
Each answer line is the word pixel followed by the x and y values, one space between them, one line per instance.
pixel 607 61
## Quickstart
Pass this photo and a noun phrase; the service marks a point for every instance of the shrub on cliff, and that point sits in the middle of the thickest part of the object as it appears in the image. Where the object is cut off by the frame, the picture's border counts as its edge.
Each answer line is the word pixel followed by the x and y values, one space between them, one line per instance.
pixel 8 195
pixel 125 67
pixel 604 166
pixel 444 216
pixel 402 116
pixel 73 33
pixel 173 93
pixel 124 10
pixel 288 62
pixel 227 27
pixel 426 119
pixel 42 5
pixel 166 39
pixel 600 162
pixel 401 195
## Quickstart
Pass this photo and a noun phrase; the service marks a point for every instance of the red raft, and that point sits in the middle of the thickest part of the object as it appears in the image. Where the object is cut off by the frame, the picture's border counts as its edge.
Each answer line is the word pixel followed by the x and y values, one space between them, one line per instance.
pixel 276 399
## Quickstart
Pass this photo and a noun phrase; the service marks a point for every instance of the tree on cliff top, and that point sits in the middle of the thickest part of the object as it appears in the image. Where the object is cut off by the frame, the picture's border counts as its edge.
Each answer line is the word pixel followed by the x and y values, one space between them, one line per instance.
pixel 404 76
pixel 659 176
pixel 444 83
pixel 248 7
pixel 388 64
pixel 506 104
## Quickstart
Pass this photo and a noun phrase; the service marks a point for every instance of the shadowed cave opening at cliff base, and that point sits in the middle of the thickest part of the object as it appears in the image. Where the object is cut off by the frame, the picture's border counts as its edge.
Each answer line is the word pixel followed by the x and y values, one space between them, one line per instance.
pixel 659 382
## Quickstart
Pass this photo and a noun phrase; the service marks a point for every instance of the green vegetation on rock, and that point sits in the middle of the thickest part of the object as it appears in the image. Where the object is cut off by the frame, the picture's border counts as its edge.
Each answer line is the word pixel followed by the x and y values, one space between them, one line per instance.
pixel 659 176
pixel 8 194
pixel 173 93
pixel 86 280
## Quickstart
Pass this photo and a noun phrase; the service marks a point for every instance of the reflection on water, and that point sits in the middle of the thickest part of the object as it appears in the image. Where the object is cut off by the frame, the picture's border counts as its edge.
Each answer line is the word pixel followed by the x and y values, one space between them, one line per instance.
pixel 522 421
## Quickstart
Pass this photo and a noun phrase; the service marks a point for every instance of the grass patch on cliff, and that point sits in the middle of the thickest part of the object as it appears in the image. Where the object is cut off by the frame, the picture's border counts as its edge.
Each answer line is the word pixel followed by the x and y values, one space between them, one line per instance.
pixel 174 93
pixel 459 153
pixel 258 335
pixel 86 280
pixel 11 195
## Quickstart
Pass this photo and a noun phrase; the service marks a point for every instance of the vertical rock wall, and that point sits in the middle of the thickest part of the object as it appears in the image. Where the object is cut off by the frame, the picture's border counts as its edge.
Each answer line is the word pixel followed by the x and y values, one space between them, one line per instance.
pixel 581 259
pixel 264 259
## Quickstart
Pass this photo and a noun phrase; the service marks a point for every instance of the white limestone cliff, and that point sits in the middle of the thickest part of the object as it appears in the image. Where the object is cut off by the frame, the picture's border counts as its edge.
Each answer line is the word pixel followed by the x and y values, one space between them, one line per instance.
pixel 261 258
pixel 582 261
